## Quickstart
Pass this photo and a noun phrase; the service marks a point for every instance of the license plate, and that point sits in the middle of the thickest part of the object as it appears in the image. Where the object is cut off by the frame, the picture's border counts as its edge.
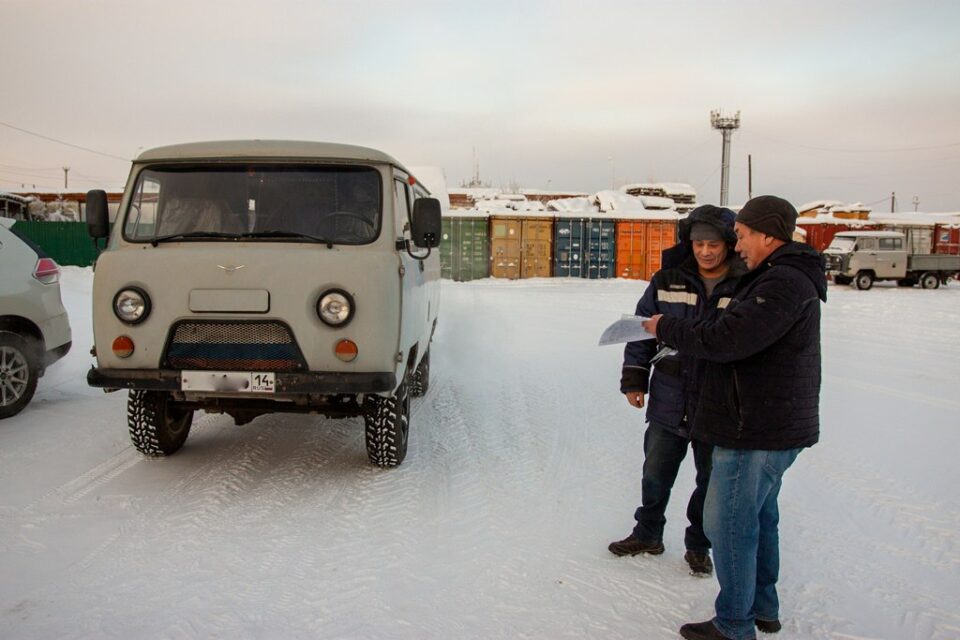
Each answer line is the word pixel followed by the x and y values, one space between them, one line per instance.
pixel 229 381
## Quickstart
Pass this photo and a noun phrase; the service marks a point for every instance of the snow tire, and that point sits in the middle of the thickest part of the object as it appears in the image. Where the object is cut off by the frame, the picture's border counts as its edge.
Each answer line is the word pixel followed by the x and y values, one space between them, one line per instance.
pixel 420 381
pixel 18 373
pixel 929 280
pixel 387 427
pixel 864 280
pixel 157 426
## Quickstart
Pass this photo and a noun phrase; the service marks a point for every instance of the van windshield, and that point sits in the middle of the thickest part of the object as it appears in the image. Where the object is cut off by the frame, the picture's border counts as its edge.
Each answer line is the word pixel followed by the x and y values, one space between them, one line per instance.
pixel 842 244
pixel 335 204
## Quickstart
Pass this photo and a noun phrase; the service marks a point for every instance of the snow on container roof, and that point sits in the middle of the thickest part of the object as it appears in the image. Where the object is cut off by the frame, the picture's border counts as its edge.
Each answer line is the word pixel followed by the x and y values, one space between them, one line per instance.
pixel 826 218
pixel 916 219
pixel 870 234
pixel 266 149
pixel 678 188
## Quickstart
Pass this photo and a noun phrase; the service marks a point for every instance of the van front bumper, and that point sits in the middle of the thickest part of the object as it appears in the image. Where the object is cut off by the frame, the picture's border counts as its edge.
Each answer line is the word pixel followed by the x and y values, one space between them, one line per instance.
pixel 310 382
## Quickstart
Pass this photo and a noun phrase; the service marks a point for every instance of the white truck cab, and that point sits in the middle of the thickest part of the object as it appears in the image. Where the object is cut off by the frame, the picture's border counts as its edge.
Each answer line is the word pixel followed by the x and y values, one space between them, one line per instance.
pixel 253 277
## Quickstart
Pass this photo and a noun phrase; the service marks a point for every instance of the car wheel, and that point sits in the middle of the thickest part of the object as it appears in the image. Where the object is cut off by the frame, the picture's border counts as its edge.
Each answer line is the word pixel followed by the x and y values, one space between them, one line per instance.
pixel 387 427
pixel 420 382
pixel 157 426
pixel 18 373
pixel 864 280
pixel 929 281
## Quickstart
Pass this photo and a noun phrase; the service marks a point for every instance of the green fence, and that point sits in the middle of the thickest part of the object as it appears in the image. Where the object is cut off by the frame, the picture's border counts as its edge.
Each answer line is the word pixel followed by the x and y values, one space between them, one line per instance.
pixel 65 242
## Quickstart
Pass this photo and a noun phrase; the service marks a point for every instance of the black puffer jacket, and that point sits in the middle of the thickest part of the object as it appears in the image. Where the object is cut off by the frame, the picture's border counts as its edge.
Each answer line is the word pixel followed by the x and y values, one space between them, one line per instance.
pixel 761 388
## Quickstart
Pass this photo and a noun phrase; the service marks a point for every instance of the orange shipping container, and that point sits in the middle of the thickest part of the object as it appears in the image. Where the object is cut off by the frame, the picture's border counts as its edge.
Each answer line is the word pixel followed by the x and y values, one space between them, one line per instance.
pixel 505 247
pixel 639 245
pixel 537 244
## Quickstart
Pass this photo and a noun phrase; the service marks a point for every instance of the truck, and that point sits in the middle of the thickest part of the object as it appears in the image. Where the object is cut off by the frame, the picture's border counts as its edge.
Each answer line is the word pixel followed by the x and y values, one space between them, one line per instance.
pixel 864 257
pixel 266 276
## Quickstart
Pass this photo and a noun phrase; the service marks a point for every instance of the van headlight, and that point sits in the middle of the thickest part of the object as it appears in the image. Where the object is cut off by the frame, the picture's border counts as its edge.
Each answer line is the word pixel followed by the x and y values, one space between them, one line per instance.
pixel 132 305
pixel 335 307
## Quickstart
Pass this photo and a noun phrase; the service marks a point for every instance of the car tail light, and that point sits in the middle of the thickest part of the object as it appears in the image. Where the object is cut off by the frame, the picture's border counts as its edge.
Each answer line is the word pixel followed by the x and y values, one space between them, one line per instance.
pixel 46 271
pixel 123 346
pixel 346 350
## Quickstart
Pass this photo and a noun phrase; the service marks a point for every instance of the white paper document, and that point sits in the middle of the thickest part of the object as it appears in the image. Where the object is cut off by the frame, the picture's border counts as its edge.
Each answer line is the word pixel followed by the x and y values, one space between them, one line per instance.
pixel 626 329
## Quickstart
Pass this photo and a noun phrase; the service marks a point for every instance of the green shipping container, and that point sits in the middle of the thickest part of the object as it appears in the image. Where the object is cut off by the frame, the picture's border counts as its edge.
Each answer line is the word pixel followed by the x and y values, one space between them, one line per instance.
pixel 464 248
pixel 66 242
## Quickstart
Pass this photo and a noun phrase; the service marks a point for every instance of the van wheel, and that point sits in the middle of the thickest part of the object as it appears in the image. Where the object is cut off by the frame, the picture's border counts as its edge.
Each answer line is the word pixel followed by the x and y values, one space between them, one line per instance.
pixel 420 382
pixel 157 426
pixel 18 373
pixel 387 422
pixel 864 280
pixel 929 280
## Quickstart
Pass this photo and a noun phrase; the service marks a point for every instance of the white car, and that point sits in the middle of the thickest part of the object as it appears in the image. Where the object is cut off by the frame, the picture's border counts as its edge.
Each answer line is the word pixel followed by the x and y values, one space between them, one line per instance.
pixel 34 328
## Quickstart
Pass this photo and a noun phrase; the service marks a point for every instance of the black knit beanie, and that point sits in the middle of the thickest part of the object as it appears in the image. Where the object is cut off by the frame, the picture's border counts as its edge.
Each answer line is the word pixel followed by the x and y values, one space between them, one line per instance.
pixel 770 215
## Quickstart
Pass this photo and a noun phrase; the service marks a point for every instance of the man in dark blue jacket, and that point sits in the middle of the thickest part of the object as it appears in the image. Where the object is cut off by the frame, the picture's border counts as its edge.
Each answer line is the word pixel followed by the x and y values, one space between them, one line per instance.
pixel 700 274
pixel 759 407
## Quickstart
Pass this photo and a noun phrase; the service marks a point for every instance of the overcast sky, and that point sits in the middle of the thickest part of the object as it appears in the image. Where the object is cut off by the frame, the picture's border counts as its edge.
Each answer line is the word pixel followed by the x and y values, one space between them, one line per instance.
pixel 838 100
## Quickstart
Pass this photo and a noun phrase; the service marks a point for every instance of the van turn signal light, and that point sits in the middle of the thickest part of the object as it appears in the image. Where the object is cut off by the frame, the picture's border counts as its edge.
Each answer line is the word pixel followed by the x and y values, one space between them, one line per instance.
pixel 346 350
pixel 122 347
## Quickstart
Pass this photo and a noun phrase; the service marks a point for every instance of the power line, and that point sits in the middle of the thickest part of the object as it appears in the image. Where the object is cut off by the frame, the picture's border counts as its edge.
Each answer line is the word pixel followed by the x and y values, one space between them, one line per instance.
pixel 837 150
pixel 68 144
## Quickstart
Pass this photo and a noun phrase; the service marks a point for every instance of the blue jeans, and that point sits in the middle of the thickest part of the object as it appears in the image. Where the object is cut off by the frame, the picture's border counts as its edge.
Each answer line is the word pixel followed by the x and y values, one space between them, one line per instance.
pixel 663 452
pixel 740 518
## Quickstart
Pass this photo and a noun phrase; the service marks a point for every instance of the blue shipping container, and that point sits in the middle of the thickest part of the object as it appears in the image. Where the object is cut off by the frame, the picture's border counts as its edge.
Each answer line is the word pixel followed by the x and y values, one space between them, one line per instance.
pixel 584 248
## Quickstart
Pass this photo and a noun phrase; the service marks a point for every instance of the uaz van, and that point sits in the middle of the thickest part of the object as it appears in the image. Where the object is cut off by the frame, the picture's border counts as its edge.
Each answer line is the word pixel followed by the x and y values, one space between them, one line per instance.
pixel 266 276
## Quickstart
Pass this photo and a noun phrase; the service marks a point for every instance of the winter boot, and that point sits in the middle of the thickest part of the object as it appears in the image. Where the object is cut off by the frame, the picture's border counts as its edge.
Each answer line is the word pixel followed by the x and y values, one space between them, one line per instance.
pixel 700 563
pixel 768 626
pixel 702 631
pixel 631 546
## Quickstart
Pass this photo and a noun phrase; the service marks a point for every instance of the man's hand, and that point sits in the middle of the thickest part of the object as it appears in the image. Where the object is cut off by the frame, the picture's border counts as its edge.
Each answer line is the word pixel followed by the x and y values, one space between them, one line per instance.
pixel 651 325
pixel 635 398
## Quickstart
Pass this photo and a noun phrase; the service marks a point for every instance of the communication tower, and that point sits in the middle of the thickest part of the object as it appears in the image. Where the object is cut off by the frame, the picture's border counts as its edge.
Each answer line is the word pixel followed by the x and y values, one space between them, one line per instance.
pixel 726 125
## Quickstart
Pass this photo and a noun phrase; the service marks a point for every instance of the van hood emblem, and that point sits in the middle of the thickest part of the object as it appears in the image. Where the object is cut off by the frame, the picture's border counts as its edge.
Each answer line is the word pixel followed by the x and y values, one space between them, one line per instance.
pixel 231 268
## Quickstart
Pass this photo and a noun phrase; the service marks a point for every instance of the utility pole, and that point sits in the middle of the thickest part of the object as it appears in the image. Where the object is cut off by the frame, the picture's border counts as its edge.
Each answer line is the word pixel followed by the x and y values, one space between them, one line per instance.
pixel 66 170
pixel 749 177
pixel 916 203
pixel 893 202
pixel 727 125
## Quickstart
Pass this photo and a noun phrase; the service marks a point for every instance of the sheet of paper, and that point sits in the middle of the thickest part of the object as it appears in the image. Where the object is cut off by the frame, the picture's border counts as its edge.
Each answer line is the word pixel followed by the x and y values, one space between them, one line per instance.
pixel 626 329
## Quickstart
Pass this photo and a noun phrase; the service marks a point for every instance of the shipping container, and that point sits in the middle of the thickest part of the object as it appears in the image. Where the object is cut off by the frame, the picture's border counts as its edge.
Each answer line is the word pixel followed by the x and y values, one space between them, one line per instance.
pixel 584 248
pixel 521 246
pixel 946 239
pixel 639 244
pixel 465 248
pixel 820 233
pixel 66 242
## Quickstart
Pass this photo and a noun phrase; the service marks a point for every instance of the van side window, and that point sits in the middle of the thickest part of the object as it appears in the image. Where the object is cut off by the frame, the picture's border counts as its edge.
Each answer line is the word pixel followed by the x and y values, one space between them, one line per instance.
pixel 867 244
pixel 143 209
pixel 889 244
pixel 402 207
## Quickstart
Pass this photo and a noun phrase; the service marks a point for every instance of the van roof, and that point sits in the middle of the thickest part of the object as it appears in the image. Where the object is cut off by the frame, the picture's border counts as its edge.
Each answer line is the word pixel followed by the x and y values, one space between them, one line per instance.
pixel 870 234
pixel 266 149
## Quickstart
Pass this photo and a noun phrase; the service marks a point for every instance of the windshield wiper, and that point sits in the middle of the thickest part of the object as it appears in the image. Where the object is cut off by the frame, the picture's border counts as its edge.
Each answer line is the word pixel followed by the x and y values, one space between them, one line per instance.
pixel 288 234
pixel 193 234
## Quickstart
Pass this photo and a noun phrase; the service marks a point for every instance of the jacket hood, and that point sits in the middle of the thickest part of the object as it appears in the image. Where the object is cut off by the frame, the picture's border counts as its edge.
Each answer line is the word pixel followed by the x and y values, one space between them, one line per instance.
pixel 805 259
pixel 720 218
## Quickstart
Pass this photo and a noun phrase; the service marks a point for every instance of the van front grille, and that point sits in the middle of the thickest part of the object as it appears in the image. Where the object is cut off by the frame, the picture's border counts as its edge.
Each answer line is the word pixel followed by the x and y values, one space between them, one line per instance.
pixel 233 346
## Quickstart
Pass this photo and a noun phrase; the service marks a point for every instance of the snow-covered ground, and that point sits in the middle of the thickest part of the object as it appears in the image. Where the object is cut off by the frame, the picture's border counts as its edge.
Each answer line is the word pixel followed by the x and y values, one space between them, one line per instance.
pixel 524 463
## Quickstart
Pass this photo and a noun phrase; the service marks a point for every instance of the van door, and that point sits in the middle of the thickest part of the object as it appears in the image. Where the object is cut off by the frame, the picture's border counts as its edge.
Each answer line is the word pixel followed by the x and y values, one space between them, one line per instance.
pixel 891 258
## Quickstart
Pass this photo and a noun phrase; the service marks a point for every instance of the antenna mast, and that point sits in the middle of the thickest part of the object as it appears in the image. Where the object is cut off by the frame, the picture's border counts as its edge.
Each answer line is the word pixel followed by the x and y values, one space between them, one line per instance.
pixel 726 125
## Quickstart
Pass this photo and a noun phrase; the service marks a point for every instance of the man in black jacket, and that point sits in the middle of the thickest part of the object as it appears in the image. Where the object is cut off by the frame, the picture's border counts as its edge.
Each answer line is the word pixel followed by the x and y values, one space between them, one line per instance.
pixel 698 277
pixel 759 406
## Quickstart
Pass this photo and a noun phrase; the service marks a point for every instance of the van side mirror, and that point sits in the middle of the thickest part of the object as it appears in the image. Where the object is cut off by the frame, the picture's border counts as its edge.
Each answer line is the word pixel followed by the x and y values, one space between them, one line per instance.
pixel 425 223
pixel 98 218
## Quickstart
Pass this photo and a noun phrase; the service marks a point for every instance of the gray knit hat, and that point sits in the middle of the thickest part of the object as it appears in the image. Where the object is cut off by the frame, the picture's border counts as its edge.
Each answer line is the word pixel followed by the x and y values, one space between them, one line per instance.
pixel 770 215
